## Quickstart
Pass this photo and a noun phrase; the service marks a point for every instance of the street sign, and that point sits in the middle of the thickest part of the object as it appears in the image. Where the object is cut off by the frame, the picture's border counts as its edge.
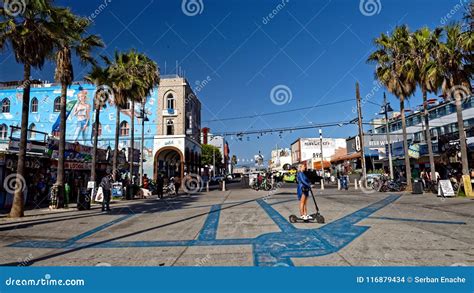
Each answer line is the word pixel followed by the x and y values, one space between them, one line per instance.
pixel 466 180
pixel 358 146
pixel 445 188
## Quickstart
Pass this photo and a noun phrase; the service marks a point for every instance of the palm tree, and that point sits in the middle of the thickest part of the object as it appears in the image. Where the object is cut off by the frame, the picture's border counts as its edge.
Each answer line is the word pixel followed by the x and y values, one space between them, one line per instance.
pixel 70 38
pixel 424 49
pixel 120 82
pixel 455 60
pixel 145 75
pixel 133 77
pixel 100 77
pixel 396 71
pixel 29 34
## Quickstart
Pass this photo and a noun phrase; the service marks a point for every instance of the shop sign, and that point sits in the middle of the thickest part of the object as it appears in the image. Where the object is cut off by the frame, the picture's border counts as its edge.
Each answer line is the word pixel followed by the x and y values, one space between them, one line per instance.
pixel 466 180
pixel 445 188
pixel 414 151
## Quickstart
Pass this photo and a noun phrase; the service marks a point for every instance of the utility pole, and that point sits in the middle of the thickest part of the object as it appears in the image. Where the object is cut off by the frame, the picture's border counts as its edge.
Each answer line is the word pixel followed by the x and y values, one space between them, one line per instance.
pixel 144 118
pixel 214 161
pixel 387 131
pixel 361 135
pixel 321 144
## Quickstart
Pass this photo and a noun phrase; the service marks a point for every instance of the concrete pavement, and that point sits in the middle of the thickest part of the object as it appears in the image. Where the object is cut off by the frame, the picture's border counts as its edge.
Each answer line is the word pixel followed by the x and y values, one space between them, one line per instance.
pixel 242 227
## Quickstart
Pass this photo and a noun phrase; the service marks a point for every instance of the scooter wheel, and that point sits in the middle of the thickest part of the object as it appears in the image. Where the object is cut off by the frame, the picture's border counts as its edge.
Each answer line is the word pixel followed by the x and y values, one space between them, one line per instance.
pixel 320 219
pixel 293 219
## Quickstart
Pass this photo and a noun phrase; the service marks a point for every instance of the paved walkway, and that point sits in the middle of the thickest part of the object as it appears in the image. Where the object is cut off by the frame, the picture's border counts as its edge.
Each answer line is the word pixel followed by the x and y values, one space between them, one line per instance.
pixel 242 227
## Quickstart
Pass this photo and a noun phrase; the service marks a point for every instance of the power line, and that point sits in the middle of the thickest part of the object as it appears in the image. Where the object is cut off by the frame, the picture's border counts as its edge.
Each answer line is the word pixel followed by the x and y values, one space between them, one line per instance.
pixel 279 112
pixel 283 129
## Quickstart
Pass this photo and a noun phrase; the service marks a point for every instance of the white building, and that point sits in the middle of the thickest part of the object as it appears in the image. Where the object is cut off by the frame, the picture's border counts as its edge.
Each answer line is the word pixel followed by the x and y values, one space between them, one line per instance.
pixel 281 159
pixel 308 150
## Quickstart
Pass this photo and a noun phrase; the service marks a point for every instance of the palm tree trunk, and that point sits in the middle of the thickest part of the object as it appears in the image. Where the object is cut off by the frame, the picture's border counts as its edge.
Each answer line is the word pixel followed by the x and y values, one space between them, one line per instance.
pixel 17 209
pixel 94 146
pixel 132 138
pixel 117 130
pixel 62 145
pixel 405 144
pixel 428 135
pixel 462 135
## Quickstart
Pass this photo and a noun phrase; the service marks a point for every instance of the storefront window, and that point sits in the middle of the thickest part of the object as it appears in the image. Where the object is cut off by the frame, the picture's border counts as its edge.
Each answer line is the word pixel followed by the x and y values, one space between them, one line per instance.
pixel 170 102
pixel 34 105
pixel 57 104
pixel 170 127
pixel 124 129
pixel 31 132
pixel 3 131
pixel 6 105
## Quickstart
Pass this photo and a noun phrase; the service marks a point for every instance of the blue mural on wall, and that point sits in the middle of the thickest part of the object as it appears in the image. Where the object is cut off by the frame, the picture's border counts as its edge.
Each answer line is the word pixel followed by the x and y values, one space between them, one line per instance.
pixel 44 116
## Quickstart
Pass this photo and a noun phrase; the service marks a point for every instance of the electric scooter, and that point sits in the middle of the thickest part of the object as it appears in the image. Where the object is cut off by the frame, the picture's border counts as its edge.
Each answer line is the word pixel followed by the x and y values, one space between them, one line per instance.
pixel 317 217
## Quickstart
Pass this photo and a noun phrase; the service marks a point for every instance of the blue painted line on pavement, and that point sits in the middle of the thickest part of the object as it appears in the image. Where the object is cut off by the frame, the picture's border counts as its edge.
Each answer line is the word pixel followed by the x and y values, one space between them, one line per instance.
pixel 209 229
pixel 270 249
pixel 420 220
pixel 276 217
pixel 97 229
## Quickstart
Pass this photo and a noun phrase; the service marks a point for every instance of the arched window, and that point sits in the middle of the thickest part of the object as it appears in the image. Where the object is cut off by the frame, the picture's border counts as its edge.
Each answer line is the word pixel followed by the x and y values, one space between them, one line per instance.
pixel 170 102
pixel 3 131
pixel 93 129
pixel 169 127
pixel 6 105
pixel 31 132
pixel 124 129
pixel 34 105
pixel 57 104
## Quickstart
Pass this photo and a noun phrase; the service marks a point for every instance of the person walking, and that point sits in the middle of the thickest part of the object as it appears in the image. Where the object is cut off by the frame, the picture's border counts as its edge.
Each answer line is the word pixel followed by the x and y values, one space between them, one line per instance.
pixel 159 186
pixel 177 184
pixel 303 189
pixel 106 185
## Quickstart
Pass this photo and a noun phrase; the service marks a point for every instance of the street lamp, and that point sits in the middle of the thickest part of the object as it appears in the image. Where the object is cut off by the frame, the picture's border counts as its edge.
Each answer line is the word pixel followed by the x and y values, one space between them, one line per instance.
pixel 321 143
pixel 384 111
pixel 144 118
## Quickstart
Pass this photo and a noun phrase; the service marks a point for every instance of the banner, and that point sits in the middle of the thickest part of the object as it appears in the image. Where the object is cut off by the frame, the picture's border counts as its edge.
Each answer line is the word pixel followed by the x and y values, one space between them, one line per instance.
pixel 104 278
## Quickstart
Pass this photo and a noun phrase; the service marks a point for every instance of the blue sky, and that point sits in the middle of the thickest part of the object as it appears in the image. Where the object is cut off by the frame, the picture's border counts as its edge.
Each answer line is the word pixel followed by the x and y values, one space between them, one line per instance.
pixel 316 48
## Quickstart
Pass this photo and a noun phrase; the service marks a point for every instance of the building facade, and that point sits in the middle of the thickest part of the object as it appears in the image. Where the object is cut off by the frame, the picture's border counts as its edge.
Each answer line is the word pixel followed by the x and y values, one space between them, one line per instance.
pixel 177 148
pixel 171 130
pixel 308 151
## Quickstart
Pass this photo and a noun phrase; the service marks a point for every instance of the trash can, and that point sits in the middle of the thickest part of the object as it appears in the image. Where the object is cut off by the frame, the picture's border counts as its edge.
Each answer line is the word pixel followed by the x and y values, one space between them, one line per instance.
pixel 417 187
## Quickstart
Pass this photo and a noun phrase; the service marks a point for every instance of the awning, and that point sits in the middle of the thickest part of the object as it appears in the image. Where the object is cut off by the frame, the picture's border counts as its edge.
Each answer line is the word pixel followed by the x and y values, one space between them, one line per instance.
pixel 317 165
pixel 346 157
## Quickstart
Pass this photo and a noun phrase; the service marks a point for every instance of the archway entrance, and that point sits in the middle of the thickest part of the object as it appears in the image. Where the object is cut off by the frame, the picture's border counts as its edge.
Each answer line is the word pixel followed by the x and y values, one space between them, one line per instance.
pixel 169 161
